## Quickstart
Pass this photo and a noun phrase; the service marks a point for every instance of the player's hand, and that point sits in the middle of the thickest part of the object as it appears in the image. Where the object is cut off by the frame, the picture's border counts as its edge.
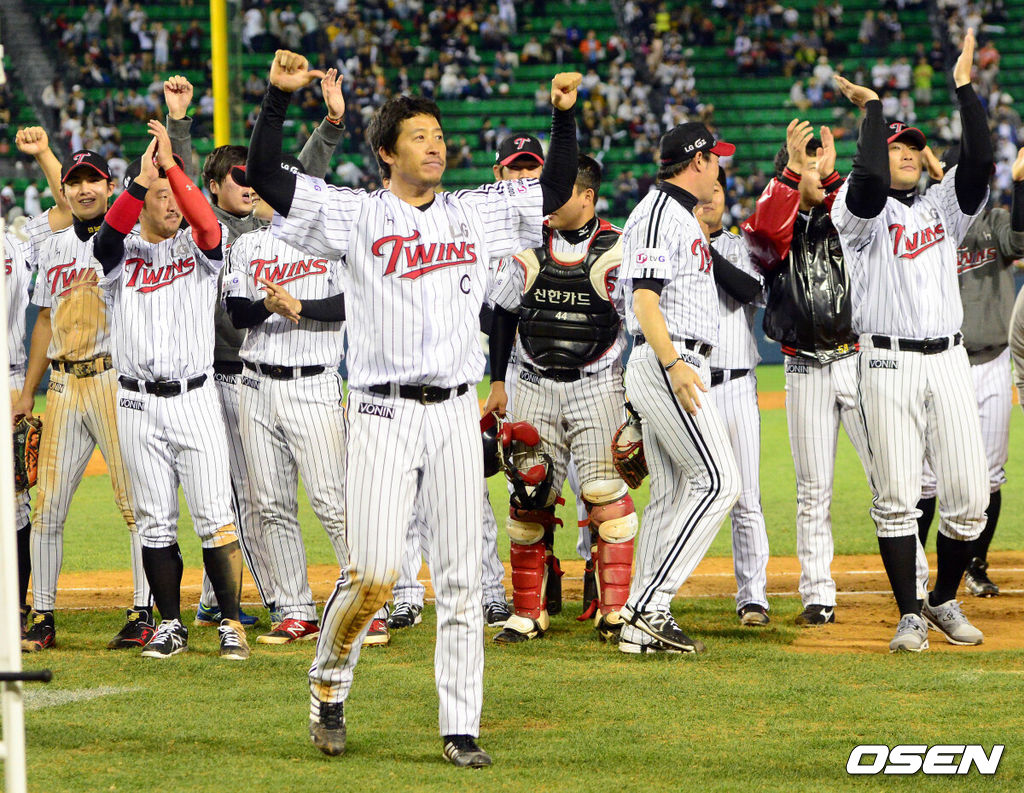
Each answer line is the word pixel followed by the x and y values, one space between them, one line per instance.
pixel 1017 171
pixel 798 133
pixel 290 71
pixel 563 89
pixel 330 85
pixel 686 385
pixel 860 95
pixel 279 301
pixel 497 399
pixel 149 172
pixel 932 164
pixel 32 141
pixel 178 96
pixel 164 152
pixel 964 64
pixel 22 406
pixel 826 153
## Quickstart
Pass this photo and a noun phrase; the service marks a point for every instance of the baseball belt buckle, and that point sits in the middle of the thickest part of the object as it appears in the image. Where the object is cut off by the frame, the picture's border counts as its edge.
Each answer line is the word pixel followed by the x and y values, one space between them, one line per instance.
pixel 83 368
pixel 275 371
pixel 432 394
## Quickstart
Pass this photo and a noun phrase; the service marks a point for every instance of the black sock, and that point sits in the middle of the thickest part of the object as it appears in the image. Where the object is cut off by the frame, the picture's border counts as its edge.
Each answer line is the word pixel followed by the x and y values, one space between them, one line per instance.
pixel 224 567
pixel 899 556
pixel 924 523
pixel 163 568
pixel 954 556
pixel 980 545
pixel 24 562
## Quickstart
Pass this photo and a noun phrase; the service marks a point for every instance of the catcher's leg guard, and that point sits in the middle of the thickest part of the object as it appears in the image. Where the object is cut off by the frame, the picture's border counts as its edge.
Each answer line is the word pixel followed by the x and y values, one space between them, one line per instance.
pixel 526 528
pixel 613 518
pixel 590 596
pixel 528 579
pixel 553 589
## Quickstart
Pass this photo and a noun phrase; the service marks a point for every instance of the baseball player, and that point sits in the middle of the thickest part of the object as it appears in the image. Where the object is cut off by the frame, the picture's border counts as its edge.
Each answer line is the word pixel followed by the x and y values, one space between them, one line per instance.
pixel 17 280
pixel 916 393
pixel 161 283
pixel 413 418
pixel 985 269
pixel 237 207
pixel 734 392
pixel 72 335
pixel 672 310
pixel 567 383
pixel 793 242
pixel 291 418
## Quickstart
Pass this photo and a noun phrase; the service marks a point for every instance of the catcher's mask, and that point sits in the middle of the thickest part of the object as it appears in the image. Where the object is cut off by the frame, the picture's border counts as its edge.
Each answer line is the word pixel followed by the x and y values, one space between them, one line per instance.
pixel 489 434
pixel 528 469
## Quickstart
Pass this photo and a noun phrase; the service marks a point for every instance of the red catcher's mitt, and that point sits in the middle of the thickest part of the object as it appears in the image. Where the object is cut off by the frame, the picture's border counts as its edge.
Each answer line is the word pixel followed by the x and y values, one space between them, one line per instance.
pixel 628 450
pixel 27 433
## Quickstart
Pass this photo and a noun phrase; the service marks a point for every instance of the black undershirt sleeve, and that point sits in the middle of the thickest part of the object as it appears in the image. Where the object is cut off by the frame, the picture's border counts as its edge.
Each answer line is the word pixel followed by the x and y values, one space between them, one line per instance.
pixel 486 319
pixel 736 283
pixel 327 309
pixel 559 173
pixel 869 177
pixel 503 337
pixel 1017 207
pixel 245 313
pixel 977 158
pixel 655 285
pixel 274 184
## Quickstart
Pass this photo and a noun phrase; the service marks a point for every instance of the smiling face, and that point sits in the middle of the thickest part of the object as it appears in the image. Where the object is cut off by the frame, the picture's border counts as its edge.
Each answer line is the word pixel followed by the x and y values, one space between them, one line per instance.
pixel 812 194
pixel 160 216
pixel 87 192
pixel 420 153
pixel 904 165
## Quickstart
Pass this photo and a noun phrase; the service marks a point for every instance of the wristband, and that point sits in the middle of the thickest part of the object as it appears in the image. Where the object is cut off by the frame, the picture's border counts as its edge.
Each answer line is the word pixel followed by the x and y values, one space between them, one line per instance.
pixel 673 363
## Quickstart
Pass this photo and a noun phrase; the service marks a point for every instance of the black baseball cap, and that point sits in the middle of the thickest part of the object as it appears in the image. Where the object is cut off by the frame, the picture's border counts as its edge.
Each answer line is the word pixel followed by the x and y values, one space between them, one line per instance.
pixel 84 158
pixel 515 146
pixel 683 141
pixel 288 163
pixel 135 168
pixel 950 157
pixel 899 131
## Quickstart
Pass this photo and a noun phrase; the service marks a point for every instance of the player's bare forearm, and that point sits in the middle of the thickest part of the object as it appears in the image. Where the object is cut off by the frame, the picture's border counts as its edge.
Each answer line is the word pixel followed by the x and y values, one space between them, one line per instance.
pixel 60 215
pixel 42 333
pixel 497 399
pixel 652 325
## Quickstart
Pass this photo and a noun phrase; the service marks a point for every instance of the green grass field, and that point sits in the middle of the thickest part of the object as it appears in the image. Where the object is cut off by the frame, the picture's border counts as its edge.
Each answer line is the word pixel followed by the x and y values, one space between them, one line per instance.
pixel 563 714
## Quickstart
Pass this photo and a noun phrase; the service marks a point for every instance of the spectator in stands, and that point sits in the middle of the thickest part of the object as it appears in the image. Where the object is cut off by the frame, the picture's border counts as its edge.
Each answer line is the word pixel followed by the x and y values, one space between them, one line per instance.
pixel 32 204
pixel 591 48
pixel 923 73
pixel 532 52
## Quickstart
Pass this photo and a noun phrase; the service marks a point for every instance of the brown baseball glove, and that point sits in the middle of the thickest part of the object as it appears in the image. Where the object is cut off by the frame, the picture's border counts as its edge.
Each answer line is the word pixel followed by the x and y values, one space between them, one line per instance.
pixel 628 450
pixel 27 433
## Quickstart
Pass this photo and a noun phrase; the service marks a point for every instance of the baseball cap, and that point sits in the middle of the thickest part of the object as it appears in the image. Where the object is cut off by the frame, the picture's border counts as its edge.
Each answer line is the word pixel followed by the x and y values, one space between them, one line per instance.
pixel 513 147
pixel 683 141
pixel 135 168
pixel 900 131
pixel 84 158
pixel 288 163
pixel 950 157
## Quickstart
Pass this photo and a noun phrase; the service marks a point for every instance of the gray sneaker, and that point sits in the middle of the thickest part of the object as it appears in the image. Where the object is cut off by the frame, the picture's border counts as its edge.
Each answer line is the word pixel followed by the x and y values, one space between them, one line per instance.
pixel 911 635
pixel 948 620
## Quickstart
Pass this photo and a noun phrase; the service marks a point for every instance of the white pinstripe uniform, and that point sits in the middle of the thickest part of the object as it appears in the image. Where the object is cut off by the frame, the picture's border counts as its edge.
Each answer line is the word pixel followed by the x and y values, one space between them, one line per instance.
pixel 80 411
pixel 162 298
pixel 414 280
pixel 903 285
pixel 291 425
pixel 736 358
pixel 694 476
pixel 18 279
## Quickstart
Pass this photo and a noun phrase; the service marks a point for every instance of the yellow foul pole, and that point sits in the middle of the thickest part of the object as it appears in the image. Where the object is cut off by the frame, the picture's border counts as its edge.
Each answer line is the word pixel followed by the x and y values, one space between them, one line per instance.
pixel 219 51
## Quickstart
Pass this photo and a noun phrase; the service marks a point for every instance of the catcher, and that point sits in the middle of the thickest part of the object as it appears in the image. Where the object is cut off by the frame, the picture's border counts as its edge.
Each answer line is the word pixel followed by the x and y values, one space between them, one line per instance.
pixel 566 383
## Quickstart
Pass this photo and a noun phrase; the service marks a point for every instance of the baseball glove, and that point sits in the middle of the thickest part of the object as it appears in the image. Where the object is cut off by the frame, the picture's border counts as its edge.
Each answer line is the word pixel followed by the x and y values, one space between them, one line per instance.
pixel 628 450
pixel 27 433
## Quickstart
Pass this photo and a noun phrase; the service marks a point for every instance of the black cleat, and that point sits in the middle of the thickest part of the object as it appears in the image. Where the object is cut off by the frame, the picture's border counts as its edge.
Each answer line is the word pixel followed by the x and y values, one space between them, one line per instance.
pixel 553 593
pixel 405 615
pixel 977 581
pixel 328 732
pixel 661 625
pixel 816 614
pixel 137 631
pixel 40 633
pixel 462 752
pixel 753 615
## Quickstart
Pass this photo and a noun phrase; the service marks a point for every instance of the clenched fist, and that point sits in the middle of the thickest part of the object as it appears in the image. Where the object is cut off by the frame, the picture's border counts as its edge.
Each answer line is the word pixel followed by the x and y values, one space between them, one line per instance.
pixel 290 71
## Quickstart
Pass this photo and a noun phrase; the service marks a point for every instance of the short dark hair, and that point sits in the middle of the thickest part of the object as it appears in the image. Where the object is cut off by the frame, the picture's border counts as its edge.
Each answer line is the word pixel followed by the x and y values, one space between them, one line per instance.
pixel 382 131
pixel 588 174
pixel 782 158
pixel 219 162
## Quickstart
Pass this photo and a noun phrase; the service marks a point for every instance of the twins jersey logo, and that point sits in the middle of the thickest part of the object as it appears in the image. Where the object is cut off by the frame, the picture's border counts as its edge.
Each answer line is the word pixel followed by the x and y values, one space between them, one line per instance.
pixel 700 248
pixel 63 278
pixel 421 259
pixel 910 246
pixel 146 278
pixel 289 271
pixel 7 267
pixel 381 411
pixel 967 260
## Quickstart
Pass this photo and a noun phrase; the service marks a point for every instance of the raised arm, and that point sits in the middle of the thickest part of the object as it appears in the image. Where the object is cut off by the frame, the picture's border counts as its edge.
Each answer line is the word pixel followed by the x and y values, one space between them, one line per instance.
pixel 34 142
pixel 559 173
pixel 316 154
pixel 108 246
pixel 869 177
pixel 976 156
pixel 178 93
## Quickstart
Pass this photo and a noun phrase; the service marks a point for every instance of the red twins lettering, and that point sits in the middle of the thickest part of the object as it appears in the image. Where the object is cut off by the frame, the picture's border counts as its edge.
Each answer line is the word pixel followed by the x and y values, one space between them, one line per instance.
pixel 146 278
pixel 62 278
pixel 968 260
pixel 910 246
pixel 289 271
pixel 422 259
pixel 700 248
pixel 7 267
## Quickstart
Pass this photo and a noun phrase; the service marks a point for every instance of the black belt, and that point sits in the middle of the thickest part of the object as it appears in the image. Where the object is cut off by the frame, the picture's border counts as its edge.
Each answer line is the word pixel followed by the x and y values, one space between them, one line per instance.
pixel 227 367
pixel 93 366
pixel 161 388
pixel 425 394
pixel 693 345
pixel 284 372
pixel 926 346
pixel 719 376
pixel 558 375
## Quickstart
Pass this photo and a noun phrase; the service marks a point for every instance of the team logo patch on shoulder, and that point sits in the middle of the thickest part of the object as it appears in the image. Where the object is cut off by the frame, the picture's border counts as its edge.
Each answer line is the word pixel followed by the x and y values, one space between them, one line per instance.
pixel 651 257
pixel 382 411
pixel 882 363
pixel 131 404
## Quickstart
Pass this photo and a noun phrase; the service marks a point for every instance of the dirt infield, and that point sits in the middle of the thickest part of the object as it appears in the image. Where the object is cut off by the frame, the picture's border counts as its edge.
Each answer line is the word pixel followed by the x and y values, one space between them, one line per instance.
pixel 865 611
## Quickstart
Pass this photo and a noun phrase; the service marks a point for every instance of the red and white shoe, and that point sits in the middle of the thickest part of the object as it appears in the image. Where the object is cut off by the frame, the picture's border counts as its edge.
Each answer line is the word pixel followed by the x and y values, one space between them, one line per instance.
pixel 290 630
pixel 378 634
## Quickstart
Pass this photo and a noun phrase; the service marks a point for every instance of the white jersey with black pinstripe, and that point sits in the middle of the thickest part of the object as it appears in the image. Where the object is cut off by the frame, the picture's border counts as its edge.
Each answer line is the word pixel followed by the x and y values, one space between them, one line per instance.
pixel 662 240
pixel 17 280
pixel 737 346
pixel 903 262
pixel 276 340
pixel 412 271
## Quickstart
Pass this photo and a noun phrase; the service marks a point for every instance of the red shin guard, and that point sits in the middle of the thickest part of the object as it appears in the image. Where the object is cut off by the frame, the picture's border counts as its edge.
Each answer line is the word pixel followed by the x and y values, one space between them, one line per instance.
pixel 614 569
pixel 528 567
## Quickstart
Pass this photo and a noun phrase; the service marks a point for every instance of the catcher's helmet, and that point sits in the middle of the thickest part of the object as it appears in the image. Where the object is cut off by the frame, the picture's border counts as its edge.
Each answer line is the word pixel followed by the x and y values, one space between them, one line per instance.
pixel 489 433
pixel 528 469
